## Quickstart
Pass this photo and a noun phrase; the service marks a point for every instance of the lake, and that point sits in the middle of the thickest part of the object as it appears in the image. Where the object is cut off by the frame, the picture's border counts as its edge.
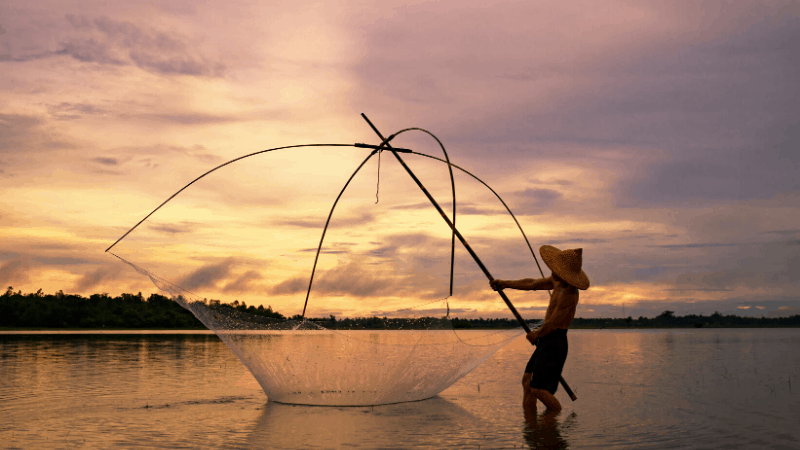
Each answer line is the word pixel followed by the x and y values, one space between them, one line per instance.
pixel 678 388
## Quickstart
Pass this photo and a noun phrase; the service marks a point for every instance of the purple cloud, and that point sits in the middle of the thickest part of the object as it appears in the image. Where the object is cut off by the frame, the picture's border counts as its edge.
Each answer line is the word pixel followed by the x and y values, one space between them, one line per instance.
pixel 535 200
pixel 16 271
pixel 207 276
pixel 243 283
pixel 107 41
pixel 106 161
pixel 290 286
pixel 319 222
pixel 67 110
pixel 183 227
pixel 92 279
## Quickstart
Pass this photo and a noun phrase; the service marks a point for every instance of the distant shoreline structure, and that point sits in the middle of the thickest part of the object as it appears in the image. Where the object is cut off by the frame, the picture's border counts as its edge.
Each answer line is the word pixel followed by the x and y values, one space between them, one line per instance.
pixel 39 311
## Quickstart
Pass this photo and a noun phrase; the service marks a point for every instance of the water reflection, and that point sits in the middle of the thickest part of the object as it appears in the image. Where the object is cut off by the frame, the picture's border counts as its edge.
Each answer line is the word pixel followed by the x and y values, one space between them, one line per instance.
pixel 543 431
pixel 433 423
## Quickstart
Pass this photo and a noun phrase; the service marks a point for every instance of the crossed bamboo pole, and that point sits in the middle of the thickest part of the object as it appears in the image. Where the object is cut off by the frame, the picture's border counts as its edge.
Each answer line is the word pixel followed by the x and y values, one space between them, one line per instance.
pixel 463 241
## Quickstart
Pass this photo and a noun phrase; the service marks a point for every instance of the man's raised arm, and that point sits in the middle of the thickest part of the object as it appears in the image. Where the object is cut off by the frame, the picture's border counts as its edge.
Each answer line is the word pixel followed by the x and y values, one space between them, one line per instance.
pixel 525 284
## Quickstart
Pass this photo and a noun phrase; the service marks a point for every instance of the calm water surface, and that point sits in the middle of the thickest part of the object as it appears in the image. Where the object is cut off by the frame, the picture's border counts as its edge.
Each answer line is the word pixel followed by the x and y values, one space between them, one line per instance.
pixel 730 388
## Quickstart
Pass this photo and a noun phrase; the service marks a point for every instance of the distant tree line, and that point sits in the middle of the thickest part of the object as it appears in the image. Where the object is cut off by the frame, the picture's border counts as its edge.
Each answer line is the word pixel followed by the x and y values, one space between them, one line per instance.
pixel 668 319
pixel 59 310
pixel 382 323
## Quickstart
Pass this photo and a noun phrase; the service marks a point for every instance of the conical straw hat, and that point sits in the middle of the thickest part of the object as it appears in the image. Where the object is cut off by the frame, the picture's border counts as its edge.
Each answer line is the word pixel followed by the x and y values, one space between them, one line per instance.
pixel 566 264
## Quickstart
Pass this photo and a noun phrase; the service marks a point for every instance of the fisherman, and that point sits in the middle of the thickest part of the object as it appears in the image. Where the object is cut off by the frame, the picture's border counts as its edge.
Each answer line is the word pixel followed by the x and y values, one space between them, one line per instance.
pixel 543 371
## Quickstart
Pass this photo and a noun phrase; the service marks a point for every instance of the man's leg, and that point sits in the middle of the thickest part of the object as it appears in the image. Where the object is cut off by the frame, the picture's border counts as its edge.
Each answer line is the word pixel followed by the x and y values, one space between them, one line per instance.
pixel 549 400
pixel 528 399
pixel 548 368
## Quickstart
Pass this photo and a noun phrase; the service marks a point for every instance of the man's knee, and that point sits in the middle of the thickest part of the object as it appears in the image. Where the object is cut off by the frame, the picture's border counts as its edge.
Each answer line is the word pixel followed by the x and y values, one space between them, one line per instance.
pixel 549 400
pixel 526 379
pixel 539 393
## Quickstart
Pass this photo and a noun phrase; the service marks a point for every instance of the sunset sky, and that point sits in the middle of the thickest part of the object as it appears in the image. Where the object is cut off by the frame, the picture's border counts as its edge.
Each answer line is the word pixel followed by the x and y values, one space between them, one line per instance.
pixel 660 136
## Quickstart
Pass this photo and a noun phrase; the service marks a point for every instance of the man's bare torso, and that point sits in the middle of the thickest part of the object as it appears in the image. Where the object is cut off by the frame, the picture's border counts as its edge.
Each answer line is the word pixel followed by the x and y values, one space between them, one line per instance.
pixel 565 298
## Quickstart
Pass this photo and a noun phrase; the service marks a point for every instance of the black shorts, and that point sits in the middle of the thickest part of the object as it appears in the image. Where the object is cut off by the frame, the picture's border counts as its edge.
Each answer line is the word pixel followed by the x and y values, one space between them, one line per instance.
pixel 548 360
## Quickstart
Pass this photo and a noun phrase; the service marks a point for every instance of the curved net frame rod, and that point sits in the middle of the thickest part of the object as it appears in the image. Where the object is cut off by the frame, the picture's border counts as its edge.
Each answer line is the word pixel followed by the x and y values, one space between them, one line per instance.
pixel 213 170
pixel 452 187
pixel 501 201
pixel 328 222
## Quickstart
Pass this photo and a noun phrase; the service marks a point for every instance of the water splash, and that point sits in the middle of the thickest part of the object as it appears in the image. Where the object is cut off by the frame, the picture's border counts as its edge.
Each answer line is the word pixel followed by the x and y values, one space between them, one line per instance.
pixel 302 362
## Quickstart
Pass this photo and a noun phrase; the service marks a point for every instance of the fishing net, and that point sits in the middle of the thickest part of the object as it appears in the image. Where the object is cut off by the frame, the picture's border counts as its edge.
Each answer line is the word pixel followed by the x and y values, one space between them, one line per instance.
pixel 397 355
pixel 305 362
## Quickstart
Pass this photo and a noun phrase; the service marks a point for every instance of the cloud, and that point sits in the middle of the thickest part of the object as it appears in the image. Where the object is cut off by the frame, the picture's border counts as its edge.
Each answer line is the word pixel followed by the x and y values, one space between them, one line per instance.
pixel 358 274
pixel 290 286
pixel 301 223
pixel 25 137
pixel 536 200
pixel 794 231
pixel 103 40
pixel 351 279
pixel 764 266
pixel 106 161
pixel 725 147
pixel 184 118
pixel 15 129
pixel 348 278
pixel 17 271
pixel 183 227
pixel 324 251
pixel 60 260
pixel 207 276
pixel 68 111
pixel 786 11
pixel 131 110
pixel 784 311
pixel 243 283
pixel 151 156
pixel 558 182
pixel 464 208
pixel 420 205
pixel 682 121
pixel 471 209
pixel 96 277
pixel 319 223
pixel 698 245
pixel 415 265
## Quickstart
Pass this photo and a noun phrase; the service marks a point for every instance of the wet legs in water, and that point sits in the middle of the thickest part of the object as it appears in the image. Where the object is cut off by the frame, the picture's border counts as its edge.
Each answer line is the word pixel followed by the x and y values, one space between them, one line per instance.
pixel 530 395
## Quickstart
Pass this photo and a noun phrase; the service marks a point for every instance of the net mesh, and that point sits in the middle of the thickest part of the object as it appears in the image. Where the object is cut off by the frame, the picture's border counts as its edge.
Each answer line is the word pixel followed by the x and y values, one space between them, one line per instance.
pixel 305 362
